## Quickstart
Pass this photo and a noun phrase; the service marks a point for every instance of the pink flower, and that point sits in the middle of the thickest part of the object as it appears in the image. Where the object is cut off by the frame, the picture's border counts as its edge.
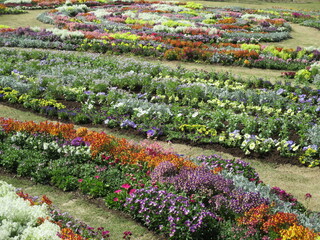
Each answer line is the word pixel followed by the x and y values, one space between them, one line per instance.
pixel 118 191
pixel 97 177
pixel 126 186
pixel 132 191
pixel 80 180
pixel 116 199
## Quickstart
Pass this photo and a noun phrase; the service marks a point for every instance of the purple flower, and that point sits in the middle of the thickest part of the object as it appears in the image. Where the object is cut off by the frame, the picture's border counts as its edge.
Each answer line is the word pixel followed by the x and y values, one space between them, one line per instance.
pixel 88 92
pixel 280 91
pixel 78 141
pixel 151 133
pixel 128 123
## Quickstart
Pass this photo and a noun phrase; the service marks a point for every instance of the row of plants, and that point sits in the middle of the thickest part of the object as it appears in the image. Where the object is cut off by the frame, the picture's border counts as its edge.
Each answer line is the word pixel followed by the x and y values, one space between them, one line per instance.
pixel 172 31
pixel 174 104
pixel 34 4
pixel 203 198
pixel 303 17
pixel 23 216
pixel 7 10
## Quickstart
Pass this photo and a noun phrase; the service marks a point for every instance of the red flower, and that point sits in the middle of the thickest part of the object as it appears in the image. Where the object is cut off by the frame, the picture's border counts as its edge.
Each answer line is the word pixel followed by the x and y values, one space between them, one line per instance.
pixel 307 196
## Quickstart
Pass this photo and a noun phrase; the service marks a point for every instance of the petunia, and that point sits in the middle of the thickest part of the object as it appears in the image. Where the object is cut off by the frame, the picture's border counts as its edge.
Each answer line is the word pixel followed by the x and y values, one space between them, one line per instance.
pixel 126 186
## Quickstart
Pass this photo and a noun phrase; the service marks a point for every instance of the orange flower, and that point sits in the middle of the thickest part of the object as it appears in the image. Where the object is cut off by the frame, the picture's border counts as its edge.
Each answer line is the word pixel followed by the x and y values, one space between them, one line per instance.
pixel 82 131
pixel 68 234
pixel 255 216
pixel 279 221
pixel 46 200
pixel 2 6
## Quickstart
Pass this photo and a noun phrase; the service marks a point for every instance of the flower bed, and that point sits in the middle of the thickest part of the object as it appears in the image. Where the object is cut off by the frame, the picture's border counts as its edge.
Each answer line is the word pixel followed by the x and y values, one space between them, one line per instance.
pixel 169 194
pixel 255 116
pixel 27 217
pixel 172 31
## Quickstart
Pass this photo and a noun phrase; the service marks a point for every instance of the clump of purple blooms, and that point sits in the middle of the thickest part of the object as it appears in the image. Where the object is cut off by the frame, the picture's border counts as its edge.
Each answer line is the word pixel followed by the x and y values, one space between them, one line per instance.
pixel 177 216
pixel 216 192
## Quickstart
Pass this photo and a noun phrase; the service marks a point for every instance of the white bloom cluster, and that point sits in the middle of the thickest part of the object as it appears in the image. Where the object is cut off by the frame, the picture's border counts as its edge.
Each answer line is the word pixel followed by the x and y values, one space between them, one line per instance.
pixel 162 28
pixel 99 13
pixel 64 33
pixel 18 1
pixel 169 8
pixel 53 146
pixel 254 16
pixel 147 16
pixel 76 8
pixel 18 219
pixel 143 108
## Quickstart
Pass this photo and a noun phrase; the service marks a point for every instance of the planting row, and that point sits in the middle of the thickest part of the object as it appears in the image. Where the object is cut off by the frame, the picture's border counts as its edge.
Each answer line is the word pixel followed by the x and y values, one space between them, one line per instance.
pixel 172 31
pixel 173 104
pixel 304 17
pixel 29 217
pixel 202 198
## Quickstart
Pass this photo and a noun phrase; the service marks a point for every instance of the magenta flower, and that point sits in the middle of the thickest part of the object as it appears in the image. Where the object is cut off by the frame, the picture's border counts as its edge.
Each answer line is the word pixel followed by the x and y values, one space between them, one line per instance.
pixel 105 233
pixel 97 177
pixel 132 191
pixel 118 191
pixel 80 180
pixel 116 199
pixel 308 196
pixel 126 186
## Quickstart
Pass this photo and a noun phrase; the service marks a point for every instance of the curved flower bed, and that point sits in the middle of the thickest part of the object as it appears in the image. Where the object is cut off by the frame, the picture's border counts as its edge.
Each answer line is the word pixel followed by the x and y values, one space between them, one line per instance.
pixel 172 31
pixel 169 194
pixel 255 116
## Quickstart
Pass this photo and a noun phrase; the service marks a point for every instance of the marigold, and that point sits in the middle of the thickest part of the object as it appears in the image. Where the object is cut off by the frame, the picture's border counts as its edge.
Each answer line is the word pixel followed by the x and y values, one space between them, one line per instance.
pixel 279 221
pixel 82 131
pixel 298 232
pixel 68 234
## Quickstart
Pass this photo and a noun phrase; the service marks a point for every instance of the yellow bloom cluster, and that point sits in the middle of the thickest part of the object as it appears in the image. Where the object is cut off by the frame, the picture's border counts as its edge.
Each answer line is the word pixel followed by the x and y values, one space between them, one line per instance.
pixel 202 129
pixel 298 232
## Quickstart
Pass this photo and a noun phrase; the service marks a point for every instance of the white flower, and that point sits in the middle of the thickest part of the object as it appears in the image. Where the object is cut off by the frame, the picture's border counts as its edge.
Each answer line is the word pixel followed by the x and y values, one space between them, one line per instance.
pixel 252 145
pixel 45 146
pixel 195 114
